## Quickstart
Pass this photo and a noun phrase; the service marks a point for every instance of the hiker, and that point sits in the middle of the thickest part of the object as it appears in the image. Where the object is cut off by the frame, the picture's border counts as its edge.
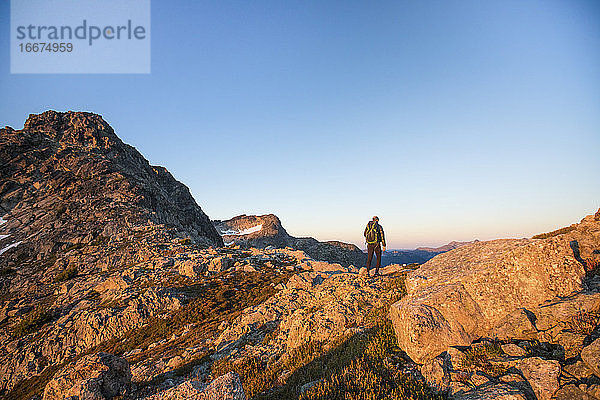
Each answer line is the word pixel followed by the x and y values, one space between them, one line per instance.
pixel 375 239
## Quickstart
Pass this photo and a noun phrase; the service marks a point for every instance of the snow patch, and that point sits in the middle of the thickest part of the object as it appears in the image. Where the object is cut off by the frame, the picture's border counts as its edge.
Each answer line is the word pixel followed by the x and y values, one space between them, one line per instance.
pixel 10 246
pixel 248 231
pixel 2 221
pixel 3 236
pixel 229 243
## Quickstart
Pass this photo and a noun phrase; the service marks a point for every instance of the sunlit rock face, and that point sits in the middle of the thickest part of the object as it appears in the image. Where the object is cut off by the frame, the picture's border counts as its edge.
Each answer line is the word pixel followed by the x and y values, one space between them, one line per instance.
pixel 466 293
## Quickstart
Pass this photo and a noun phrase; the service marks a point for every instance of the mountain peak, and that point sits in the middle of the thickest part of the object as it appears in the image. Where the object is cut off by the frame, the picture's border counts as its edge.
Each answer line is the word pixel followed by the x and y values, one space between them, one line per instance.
pixel 73 128
pixel 69 179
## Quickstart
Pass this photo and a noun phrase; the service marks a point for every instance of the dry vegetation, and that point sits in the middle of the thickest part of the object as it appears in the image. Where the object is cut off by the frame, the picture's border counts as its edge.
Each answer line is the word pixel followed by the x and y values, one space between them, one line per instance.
pixel 34 320
pixel 554 233
pixel 220 298
pixel 217 300
pixel 363 366
pixel 478 358
pixel 67 274
pixel 366 365
pixel 584 322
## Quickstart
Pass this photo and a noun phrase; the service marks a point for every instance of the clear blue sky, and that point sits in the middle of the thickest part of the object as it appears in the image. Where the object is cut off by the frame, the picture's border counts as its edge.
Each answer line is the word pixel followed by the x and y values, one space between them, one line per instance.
pixel 451 120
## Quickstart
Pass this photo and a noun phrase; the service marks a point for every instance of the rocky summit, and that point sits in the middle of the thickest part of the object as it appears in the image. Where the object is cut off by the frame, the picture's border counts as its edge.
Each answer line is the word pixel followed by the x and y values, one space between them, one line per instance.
pixel 115 285
pixel 266 230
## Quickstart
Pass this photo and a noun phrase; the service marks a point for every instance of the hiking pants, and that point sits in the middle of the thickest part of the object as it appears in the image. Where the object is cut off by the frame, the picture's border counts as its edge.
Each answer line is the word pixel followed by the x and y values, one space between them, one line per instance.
pixel 374 247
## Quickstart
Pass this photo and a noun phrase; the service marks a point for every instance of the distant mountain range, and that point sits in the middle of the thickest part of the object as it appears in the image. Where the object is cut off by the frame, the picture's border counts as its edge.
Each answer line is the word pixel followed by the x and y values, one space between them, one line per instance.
pixel 419 255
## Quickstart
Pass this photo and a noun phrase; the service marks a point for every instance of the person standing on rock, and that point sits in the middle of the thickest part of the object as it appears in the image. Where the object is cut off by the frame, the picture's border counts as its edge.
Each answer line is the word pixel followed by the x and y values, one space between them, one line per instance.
pixel 375 239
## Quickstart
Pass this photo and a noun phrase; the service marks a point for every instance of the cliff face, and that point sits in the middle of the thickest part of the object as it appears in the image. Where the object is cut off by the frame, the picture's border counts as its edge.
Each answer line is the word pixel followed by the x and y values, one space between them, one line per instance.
pixel 67 179
pixel 266 230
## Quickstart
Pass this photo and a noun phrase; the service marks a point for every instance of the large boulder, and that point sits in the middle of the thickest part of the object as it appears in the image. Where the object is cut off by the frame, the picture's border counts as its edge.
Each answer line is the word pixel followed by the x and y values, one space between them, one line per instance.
pixel 94 377
pixel 465 293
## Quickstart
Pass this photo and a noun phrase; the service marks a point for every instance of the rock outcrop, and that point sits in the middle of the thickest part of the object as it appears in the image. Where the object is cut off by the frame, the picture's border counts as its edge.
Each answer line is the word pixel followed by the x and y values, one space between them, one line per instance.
pixel 95 377
pixel 508 318
pixel 266 230
pixel 461 295
pixel 525 369
pixel 313 306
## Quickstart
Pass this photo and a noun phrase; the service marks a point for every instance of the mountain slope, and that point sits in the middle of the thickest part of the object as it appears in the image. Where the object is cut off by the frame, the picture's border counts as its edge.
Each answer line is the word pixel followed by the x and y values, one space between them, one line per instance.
pixel 66 179
pixel 103 253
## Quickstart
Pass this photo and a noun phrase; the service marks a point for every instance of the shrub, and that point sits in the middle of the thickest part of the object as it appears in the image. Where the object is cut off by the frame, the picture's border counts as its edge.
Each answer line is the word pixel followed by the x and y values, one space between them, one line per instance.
pixel 60 210
pixel 584 322
pixel 100 240
pixel 185 241
pixel 477 358
pixel 74 246
pixel 69 273
pixel 33 321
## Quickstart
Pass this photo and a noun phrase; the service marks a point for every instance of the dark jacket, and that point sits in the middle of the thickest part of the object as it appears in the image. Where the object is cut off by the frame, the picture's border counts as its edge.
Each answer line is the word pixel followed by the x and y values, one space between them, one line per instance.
pixel 378 229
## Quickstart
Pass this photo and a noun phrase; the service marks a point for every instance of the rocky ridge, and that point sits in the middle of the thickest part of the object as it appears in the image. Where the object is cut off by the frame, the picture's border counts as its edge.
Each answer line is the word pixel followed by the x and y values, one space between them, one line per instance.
pixel 266 230
pixel 447 247
pixel 419 255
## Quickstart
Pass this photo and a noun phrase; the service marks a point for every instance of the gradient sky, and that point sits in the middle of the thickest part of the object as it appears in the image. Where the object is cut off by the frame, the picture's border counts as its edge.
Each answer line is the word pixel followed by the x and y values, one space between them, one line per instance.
pixel 451 120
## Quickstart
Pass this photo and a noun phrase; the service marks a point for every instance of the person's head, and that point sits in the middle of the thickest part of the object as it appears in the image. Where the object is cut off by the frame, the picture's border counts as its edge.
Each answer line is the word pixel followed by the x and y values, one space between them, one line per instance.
pixel 376 219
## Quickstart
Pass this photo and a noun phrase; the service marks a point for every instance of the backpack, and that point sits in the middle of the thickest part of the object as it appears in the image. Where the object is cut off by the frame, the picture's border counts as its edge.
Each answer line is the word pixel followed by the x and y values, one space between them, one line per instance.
pixel 371 235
